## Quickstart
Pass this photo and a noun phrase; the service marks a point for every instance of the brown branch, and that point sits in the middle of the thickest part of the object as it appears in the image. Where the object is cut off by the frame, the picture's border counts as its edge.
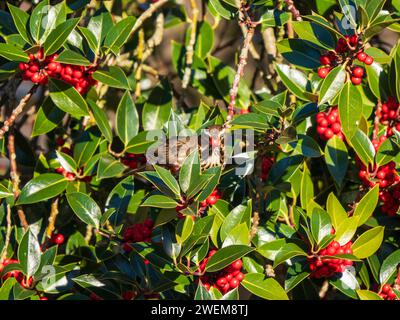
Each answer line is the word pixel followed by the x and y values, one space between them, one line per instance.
pixel 376 120
pixel 138 73
pixel 252 48
pixel 148 69
pixel 324 289
pixel 190 47
pixel 254 226
pixel 156 38
pixel 52 218
pixel 147 14
pixel 292 8
pixel 8 235
pixel 250 26
pixel 15 177
pixel 16 112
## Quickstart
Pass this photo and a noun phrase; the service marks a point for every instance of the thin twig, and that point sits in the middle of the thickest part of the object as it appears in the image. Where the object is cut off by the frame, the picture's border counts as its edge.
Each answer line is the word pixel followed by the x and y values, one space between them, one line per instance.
pixel 324 289
pixel 8 235
pixel 254 226
pixel 252 49
pixel 250 25
pixel 52 218
pixel 148 69
pixel 376 120
pixel 292 8
pixel 147 14
pixel 156 38
pixel 17 111
pixel 138 74
pixel 190 47
pixel 14 176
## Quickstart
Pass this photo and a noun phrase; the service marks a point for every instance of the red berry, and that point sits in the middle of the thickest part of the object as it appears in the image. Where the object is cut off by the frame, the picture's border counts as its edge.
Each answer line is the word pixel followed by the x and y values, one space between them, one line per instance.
pixel 239 276
pixel 325 60
pixel 77 74
pixel 128 295
pixel 336 127
pixel 221 282
pixel 234 283
pixel 361 56
pixel 40 54
pixel 353 40
pixel 35 78
pixel 386 288
pixel 321 130
pixel 328 134
pixel 368 60
pixel 323 72
pixel 237 264
pixel 58 239
pixel 356 80
pixel 52 66
pixel 358 72
pixel 211 200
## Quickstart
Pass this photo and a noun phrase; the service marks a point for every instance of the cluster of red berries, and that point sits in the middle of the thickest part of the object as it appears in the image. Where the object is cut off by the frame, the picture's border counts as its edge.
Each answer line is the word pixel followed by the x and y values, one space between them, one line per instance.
pixel 133 161
pixel 389 116
pixel 328 124
pixel 266 164
pixel 326 267
pixel 387 293
pixel 224 280
pixel 347 48
pixel 39 68
pixel 18 275
pixel 139 232
pixel 211 200
pixel 385 175
pixel 387 178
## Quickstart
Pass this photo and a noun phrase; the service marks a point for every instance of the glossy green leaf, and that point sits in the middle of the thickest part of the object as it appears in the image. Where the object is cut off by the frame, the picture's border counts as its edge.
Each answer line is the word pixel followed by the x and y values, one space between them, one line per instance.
pixel 43 187
pixel 29 253
pixel 332 85
pixel 368 243
pixel 101 120
pixel 160 201
pixel 389 266
pixel 225 256
pixel 350 109
pixel 363 147
pixel 13 53
pixel 114 77
pixel 59 35
pixel 48 118
pixel 72 57
pixel 336 159
pixel 268 288
pixel 85 208
pixel 20 18
pixel 119 34
pixel 127 124
pixel 67 98
pixel 366 206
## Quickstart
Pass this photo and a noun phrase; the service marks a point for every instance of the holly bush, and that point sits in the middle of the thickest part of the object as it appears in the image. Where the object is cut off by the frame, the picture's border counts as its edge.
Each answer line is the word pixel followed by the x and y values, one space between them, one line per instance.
pixel 215 149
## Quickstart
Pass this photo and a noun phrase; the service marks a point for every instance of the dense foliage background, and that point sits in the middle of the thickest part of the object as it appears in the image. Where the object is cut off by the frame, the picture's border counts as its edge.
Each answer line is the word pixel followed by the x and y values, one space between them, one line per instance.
pixel 214 149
